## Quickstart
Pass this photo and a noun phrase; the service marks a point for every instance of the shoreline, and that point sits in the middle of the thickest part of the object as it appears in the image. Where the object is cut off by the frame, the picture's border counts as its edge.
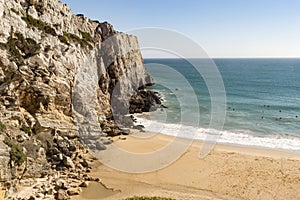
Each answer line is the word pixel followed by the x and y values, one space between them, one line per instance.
pixel 228 172
pixel 246 139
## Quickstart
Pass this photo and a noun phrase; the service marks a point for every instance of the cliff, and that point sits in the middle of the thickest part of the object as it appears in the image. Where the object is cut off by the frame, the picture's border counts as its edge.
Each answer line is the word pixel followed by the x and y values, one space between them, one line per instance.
pixel 63 78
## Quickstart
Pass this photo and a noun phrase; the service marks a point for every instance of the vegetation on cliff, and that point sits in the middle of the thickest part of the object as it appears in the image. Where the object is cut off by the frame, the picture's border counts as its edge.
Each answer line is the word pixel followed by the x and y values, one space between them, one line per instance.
pixel 2 126
pixel 20 48
pixel 17 155
pixel 39 24
pixel 66 38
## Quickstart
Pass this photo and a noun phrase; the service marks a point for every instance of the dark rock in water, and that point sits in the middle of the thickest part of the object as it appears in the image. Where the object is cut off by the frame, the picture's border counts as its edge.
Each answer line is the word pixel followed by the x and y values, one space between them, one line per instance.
pixel 133 119
pixel 144 101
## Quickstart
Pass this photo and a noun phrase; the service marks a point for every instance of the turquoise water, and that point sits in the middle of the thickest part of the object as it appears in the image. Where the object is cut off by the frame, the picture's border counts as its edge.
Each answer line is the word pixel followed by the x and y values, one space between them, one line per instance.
pixel 262 95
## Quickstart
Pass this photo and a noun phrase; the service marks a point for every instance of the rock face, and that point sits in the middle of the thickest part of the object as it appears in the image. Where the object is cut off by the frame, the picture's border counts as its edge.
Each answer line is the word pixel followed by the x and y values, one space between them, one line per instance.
pixel 62 76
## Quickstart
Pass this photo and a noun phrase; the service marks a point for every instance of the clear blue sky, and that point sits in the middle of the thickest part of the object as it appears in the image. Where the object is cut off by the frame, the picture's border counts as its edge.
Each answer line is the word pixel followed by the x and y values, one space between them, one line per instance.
pixel 224 28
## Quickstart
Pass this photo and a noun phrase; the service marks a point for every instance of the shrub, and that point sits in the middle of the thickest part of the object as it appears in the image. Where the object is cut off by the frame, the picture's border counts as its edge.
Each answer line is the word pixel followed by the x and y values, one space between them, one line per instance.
pixel 86 36
pixel 28 46
pixel 32 22
pixel 17 155
pixel 16 152
pixel 15 54
pixel 69 37
pixel 2 126
pixel 50 30
pixel 63 39
pixel 16 45
pixel 26 130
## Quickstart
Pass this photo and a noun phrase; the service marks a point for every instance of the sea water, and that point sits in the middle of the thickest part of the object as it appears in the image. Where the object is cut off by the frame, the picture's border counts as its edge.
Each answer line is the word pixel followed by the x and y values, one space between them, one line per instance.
pixel 262 101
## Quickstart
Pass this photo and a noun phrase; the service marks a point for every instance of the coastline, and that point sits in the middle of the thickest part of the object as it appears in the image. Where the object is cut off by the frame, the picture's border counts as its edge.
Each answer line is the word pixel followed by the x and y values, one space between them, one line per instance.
pixel 228 172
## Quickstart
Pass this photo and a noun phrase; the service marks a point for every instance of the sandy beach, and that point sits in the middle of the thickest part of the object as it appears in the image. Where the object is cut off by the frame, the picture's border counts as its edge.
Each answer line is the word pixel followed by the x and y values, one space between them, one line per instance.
pixel 226 173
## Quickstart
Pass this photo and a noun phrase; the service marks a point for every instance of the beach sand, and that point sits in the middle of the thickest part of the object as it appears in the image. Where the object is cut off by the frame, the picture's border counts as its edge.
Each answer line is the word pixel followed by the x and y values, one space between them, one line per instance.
pixel 1 194
pixel 226 173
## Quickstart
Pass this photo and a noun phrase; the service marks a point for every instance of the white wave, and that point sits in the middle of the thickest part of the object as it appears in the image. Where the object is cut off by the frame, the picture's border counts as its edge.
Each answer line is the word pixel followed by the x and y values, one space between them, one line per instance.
pixel 239 137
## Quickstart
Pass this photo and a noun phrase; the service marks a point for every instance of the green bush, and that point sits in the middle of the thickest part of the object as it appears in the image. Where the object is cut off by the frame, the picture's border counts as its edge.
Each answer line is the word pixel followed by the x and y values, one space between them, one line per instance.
pixel 69 37
pixel 16 152
pixel 18 44
pixel 2 126
pixel 17 155
pixel 64 39
pixel 26 130
pixel 50 30
pixel 15 54
pixel 28 46
pixel 32 22
pixel 148 198
pixel 86 36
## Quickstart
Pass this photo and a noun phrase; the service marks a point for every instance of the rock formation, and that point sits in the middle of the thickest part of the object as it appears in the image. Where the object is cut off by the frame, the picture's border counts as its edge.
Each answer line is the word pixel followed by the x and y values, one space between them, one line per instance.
pixel 64 79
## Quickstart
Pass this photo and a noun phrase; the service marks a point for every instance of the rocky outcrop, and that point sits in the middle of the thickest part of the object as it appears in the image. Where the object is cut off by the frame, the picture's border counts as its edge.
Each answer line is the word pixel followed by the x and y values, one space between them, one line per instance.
pixel 144 101
pixel 64 79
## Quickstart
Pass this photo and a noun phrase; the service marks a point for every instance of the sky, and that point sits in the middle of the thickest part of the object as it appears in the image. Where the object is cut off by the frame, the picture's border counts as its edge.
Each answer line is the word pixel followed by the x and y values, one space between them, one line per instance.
pixel 223 28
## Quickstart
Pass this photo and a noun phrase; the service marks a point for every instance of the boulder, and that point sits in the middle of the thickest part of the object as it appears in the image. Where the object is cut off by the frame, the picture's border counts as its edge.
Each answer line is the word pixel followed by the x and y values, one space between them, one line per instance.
pixel 68 162
pixel 83 184
pixel 62 195
pixel 144 101
pixel 100 146
pixel 73 191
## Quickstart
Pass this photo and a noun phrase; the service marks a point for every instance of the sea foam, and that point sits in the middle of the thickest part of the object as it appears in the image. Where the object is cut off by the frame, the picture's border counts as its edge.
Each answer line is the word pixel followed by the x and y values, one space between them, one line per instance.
pixel 237 137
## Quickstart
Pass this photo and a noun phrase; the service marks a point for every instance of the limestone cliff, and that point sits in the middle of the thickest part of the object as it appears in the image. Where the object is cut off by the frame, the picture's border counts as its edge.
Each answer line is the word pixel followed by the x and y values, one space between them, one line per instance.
pixel 58 73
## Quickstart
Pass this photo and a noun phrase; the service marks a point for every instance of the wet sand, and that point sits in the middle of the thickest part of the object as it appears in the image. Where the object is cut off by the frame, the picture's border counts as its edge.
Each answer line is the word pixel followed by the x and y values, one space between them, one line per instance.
pixel 226 173
pixel 96 190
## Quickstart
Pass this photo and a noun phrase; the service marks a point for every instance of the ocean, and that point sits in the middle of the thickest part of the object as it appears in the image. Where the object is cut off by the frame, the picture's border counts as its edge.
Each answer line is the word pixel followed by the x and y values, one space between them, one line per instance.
pixel 262 101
